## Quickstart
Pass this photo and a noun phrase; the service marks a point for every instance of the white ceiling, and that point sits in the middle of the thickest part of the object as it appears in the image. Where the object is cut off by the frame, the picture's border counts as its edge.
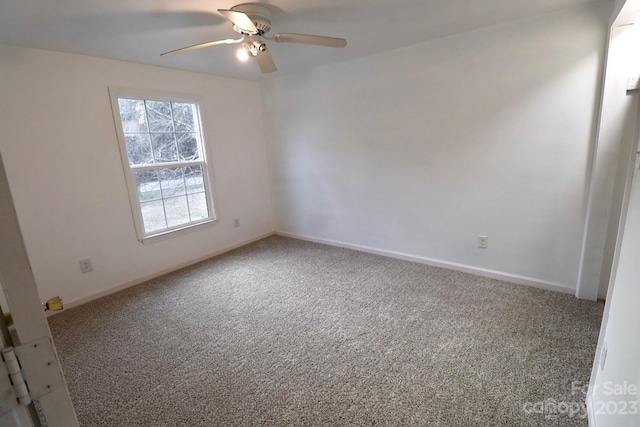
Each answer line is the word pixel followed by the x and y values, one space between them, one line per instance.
pixel 139 30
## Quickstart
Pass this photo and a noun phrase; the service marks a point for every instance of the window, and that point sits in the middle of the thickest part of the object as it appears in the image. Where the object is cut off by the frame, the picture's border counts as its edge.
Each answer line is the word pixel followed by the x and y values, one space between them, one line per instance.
pixel 163 152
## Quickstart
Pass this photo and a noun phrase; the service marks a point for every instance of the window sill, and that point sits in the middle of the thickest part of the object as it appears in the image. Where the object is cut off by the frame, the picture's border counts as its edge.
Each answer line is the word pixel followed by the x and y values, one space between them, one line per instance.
pixel 177 232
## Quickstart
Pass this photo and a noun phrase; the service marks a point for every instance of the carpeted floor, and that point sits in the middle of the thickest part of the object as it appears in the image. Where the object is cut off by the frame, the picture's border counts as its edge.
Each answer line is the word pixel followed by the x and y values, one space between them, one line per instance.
pixel 284 332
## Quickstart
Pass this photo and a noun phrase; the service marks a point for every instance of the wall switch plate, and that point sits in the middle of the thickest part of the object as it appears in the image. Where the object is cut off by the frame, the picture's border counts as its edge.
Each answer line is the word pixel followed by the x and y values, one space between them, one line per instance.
pixel 483 242
pixel 633 83
pixel 236 222
pixel 86 265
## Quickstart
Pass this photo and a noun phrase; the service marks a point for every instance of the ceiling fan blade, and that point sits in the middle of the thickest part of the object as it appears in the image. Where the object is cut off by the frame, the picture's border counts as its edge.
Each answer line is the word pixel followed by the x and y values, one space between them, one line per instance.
pixel 201 45
pixel 265 60
pixel 310 39
pixel 240 20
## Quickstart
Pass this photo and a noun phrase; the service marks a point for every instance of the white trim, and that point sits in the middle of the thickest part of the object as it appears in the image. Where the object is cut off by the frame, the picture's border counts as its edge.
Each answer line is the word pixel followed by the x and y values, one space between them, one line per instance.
pixel 591 416
pixel 492 274
pixel 80 301
pixel 207 173
pixel 178 231
pixel 20 290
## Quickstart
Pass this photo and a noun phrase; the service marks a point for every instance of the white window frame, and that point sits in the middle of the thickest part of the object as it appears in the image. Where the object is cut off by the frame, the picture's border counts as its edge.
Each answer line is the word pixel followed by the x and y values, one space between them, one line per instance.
pixel 116 93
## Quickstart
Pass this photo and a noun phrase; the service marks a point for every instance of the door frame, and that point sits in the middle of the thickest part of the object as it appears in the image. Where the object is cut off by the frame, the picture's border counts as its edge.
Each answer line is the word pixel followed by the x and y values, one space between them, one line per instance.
pixel 18 283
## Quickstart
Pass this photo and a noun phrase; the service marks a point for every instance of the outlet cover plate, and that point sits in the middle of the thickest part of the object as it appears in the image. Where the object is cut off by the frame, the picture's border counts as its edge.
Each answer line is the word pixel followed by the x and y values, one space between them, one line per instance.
pixel 86 266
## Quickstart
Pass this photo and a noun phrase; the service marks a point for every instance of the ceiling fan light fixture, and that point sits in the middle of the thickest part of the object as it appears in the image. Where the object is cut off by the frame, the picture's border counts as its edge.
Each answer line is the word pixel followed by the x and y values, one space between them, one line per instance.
pixel 242 54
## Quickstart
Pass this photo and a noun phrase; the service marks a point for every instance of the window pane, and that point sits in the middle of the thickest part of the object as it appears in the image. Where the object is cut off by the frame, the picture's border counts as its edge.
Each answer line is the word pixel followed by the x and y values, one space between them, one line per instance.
pixel 159 114
pixel 164 147
pixel 138 148
pixel 153 216
pixel 148 185
pixel 183 117
pixel 154 134
pixel 193 179
pixel 177 211
pixel 187 146
pixel 132 115
pixel 198 206
pixel 172 182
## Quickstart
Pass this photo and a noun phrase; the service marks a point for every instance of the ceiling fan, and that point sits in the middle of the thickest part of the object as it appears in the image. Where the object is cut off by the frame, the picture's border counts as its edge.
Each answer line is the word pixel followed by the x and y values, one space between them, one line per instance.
pixel 253 22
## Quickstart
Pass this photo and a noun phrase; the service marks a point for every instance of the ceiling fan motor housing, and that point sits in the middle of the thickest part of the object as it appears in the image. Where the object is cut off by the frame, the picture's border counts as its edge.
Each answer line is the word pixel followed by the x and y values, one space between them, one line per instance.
pixel 259 15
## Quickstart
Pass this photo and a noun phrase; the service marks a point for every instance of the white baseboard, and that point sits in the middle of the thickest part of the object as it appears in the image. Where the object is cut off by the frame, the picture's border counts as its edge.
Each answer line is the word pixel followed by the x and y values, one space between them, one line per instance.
pixel 120 287
pixel 512 278
pixel 492 274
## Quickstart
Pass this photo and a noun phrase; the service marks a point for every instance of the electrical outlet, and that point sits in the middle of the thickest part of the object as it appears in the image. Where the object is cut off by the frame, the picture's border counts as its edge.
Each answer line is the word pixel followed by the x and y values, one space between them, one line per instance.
pixel 633 83
pixel 483 242
pixel 236 222
pixel 86 265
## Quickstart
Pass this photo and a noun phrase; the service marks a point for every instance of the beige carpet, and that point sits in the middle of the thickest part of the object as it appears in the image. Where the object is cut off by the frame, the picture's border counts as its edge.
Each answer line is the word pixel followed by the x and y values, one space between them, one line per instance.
pixel 285 332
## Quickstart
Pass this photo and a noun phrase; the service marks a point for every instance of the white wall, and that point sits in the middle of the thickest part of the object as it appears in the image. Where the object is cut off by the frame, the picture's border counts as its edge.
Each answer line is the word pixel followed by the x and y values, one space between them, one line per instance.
pixel 61 155
pixel 420 150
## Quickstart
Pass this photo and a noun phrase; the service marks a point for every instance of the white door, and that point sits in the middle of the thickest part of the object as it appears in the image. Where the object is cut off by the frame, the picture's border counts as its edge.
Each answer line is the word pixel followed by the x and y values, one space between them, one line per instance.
pixel 36 353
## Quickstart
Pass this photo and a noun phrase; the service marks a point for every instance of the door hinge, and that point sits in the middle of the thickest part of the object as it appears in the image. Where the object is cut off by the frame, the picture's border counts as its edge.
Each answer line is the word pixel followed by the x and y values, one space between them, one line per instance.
pixel 28 372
